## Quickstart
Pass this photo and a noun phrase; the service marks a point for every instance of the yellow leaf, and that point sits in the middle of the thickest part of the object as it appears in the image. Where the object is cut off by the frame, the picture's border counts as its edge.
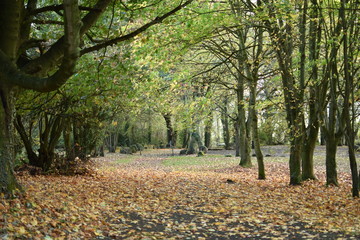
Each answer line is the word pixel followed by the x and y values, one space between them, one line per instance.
pixel 22 230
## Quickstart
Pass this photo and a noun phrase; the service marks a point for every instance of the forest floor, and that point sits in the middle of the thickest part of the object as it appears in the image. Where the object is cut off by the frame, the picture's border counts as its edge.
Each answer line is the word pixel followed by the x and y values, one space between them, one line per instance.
pixel 156 195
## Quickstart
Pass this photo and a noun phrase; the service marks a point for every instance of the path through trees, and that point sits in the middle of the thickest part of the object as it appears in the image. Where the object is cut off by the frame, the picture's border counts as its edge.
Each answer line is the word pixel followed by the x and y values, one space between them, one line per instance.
pixel 162 196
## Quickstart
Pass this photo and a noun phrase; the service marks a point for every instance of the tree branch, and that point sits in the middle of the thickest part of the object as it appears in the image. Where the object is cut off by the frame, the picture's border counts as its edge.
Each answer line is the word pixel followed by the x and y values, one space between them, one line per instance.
pixel 136 32
pixel 72 40
pixel 58 7
pixel 49 60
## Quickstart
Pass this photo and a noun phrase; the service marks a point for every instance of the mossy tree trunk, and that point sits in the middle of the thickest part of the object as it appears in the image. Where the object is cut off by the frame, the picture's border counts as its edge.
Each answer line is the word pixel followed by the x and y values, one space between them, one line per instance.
pixel 8 183
pixel 194 144
pixel 171 134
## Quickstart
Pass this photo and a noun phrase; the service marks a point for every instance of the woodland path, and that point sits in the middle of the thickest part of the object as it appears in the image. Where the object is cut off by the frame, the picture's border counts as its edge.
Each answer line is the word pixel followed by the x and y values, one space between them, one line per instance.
pixel 159 196
pixel 225 203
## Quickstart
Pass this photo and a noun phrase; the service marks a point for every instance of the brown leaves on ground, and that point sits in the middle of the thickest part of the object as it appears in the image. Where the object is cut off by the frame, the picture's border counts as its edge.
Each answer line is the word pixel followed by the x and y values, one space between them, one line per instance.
pixel 143 199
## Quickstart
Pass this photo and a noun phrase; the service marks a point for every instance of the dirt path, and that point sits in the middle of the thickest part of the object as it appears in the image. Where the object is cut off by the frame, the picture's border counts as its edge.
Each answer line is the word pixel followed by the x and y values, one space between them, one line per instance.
pixel 168 204
pixel 158 196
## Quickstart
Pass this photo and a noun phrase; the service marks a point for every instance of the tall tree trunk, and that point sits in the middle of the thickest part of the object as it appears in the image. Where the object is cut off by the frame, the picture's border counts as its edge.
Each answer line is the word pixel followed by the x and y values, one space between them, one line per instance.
pixel 149 130
pixel 312 130
pixel 112 141
pixel 10 18
pixel 349 89
pixel 8 183
pixel 225 124
pixel 244 129
pixel 208 128
pixel 333 133
pixel 281 35
pixel 69 150
pixel 236 138
pixel 245 148
pixel 170 132
pixel 255 132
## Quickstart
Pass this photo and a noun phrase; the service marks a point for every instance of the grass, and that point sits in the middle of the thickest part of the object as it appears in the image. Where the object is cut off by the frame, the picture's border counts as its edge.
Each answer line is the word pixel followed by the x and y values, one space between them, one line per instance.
pixel 124 160
pixel 193 163
pixel 112 161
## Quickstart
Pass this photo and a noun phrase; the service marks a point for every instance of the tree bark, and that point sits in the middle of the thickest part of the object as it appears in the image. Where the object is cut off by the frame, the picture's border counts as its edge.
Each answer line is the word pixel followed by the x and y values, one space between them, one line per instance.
pixel 349 91
pixel 255 133
pixel 32 156
pixel 69 149
pixel 195 141
pixel 170 132
pixel 208 128
pixel 316 100
pixel 236 138
pixel 8 183
pixel 331 172
pixel 281 36
pixel 225 124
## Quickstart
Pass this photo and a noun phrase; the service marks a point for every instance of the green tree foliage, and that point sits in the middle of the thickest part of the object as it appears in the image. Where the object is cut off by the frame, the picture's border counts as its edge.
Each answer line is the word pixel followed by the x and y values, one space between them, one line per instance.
pixel 35 52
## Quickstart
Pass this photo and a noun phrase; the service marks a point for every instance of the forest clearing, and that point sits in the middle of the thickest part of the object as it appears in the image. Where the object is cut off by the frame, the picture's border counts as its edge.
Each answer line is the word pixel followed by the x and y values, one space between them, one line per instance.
pixel 159 196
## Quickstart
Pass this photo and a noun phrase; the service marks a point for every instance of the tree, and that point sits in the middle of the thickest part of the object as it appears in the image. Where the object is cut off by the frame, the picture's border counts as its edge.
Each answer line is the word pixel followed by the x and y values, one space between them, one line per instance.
pixel 348 27
pixel 281 30
pixel 11 76
pixel 316 100
pixel 18 69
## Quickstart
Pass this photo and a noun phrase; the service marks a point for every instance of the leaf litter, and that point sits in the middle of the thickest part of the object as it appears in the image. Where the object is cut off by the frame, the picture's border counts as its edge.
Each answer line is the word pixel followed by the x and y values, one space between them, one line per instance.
pixel 144 199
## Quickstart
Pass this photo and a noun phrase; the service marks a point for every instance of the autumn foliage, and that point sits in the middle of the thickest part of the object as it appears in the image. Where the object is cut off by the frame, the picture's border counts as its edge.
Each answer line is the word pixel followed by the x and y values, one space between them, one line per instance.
pixel 141 197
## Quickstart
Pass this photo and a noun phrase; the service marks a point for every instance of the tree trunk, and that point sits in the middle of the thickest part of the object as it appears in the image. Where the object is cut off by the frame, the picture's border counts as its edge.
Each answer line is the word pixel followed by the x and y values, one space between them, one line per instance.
pixel 149 130
pixel 308 154
pixel 195 143
pixel 295 160
pixel 348 101
pixel 8 183
pixel 333 129
pixel 112 141
pixel 316 101
pixel 170 132
pixel 32 156
pixel 69 150
pixel 185 138
pixel 208 128
pixel 255 134
pixel 245 149
pixel 237 138
pixel 225 124
pixel 281 36
pixel 331 173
